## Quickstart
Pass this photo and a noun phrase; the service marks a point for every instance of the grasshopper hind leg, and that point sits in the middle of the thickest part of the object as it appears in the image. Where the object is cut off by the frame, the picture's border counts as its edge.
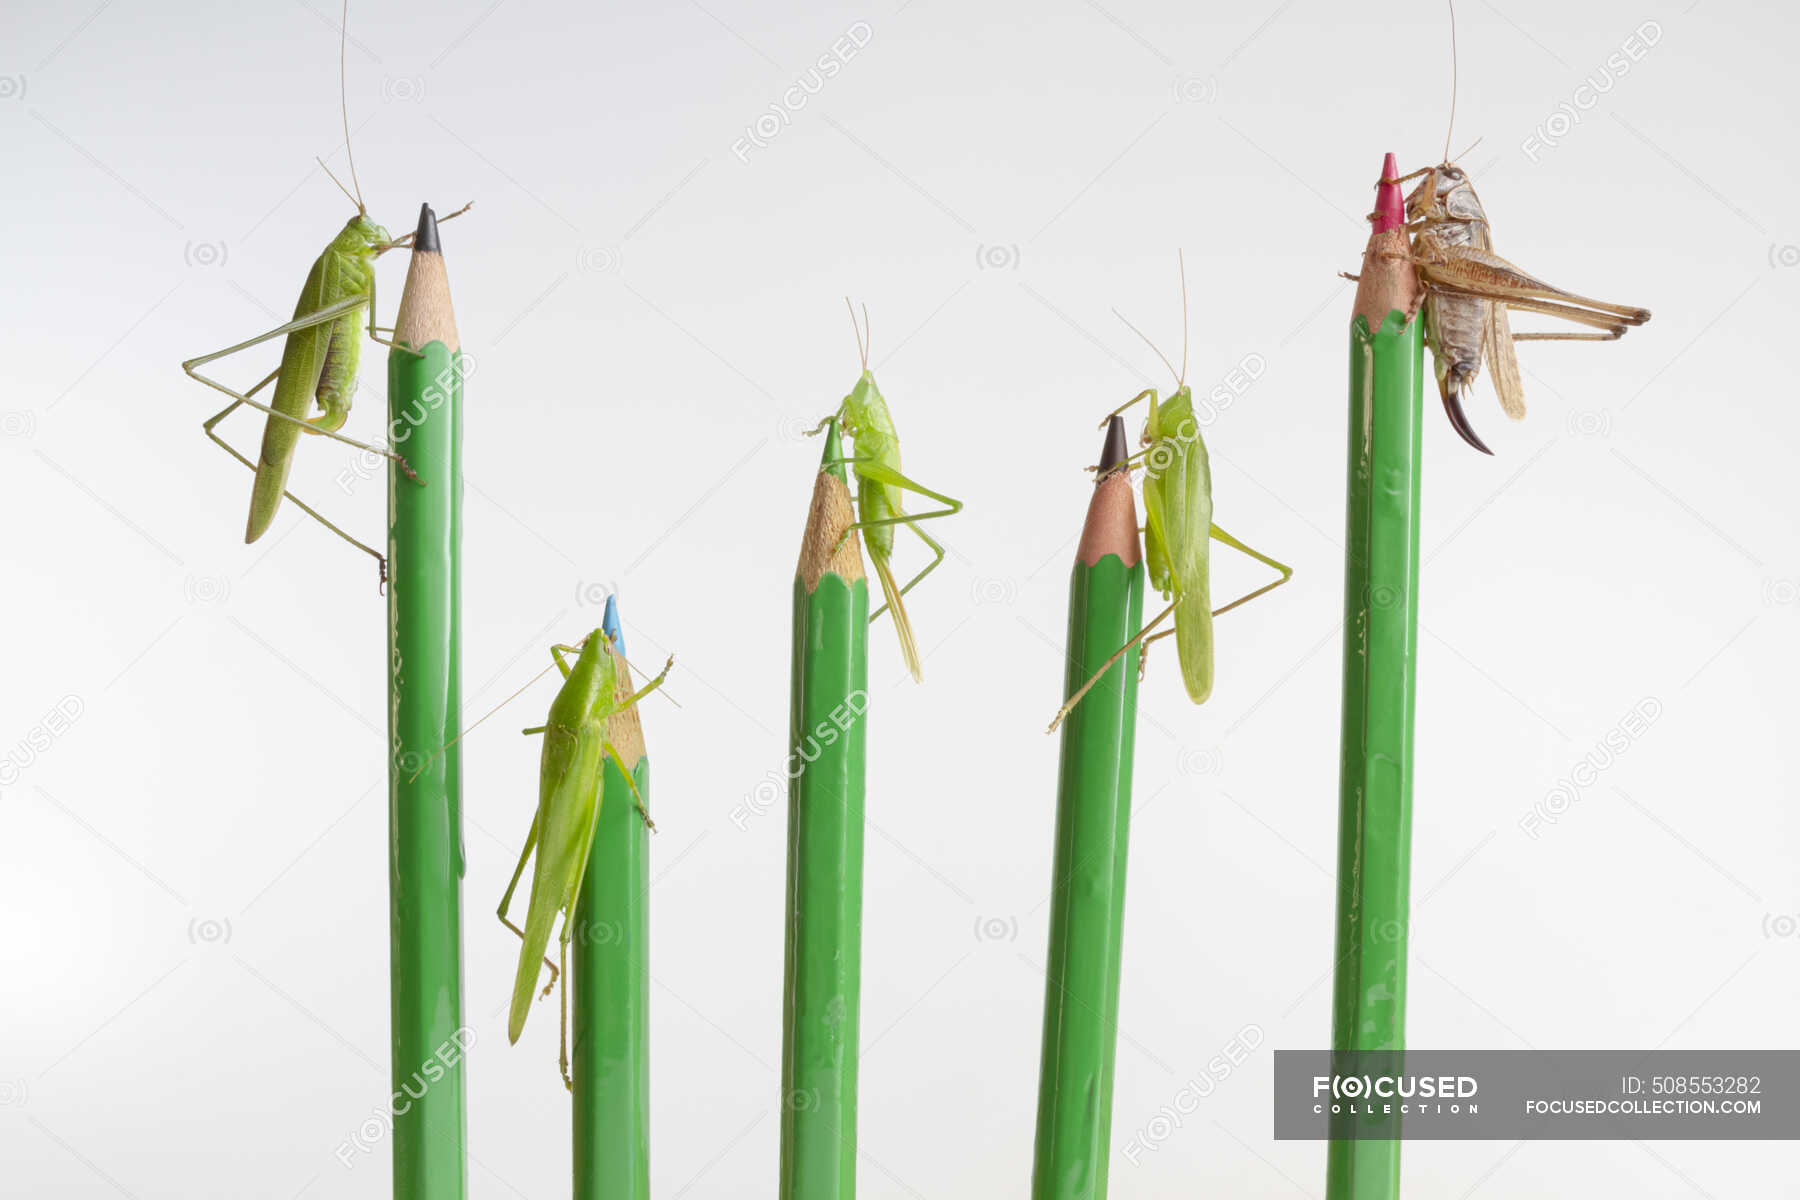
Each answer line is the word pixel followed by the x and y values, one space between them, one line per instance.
pixel 1138 638
pixel 562 1052
pixel 880 473
pixel 208 426
pixel 506 902
pixel 1143 638
pixel 330 312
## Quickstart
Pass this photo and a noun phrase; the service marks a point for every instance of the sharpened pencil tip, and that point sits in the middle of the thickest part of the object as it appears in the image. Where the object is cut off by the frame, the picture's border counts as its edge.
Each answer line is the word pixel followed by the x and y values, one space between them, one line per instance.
pixel 1113 453
pixel 425 241
pixel 832 459
pixel 609 624
pixel 1390 204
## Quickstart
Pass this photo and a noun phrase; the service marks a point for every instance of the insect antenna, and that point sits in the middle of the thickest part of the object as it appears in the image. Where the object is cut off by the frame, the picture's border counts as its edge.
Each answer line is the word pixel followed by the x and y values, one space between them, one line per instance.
pixel 862 345
pixel 1468 148
pixel 344 105
pixel 1149 343
pixel 1452 127
pixel 1182 264
pixel 336 180
pixel 477 725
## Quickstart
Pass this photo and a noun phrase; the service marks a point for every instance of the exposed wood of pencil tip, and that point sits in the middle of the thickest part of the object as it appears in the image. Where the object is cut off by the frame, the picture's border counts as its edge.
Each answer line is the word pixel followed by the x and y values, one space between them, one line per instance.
pixel 824 548
pixel 425 314
pixel 624 729
pixel 1111 525
pixel 1388 279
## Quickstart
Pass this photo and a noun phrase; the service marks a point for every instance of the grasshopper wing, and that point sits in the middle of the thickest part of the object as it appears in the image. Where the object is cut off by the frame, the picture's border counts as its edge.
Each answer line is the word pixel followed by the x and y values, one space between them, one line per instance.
pixel 569 777
pixel 1497 341
pixel 1186 517
pixel 303 360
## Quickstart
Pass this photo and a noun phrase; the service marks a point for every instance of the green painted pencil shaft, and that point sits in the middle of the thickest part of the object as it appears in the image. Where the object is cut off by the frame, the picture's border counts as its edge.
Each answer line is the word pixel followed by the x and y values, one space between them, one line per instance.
pixel 1087 907
pixel 1381 621
pixel 425 862
pixel 611 976
pixel 822 975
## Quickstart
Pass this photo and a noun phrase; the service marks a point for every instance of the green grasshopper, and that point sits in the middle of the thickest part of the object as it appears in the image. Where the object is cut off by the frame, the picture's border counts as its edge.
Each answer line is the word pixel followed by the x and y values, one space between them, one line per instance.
pixel 875 458
pixel 1178 533
pixel 318 359
pixel 575 754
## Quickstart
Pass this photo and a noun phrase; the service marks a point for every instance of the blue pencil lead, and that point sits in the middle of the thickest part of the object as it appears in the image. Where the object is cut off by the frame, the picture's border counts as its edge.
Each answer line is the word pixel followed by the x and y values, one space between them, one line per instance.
pixel 609 624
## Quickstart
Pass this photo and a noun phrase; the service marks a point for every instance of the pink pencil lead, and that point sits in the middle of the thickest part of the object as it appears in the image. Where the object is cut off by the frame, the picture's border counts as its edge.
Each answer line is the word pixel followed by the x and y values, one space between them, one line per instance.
pixel 1390 205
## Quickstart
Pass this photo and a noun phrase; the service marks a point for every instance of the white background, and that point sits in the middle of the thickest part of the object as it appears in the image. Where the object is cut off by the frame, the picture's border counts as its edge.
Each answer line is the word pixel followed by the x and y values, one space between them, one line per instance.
pixel 195 888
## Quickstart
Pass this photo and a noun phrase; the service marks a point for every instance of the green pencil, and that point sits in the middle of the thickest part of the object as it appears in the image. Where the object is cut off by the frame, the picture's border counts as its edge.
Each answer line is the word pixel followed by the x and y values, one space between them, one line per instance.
pixel 822 976
pixel 1381 633
pixel 425 860
pixel 610 971
pixel 1093 812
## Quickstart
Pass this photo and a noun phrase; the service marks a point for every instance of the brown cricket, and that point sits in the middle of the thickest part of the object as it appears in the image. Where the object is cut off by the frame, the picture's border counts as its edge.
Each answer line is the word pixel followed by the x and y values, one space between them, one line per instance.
pixel 1468 290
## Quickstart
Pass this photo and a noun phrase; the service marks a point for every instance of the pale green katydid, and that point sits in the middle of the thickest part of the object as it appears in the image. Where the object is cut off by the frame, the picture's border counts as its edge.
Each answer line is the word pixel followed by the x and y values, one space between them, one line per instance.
pixel 1178 533
pixel 318 359
pixel 576 751
pixel 875 459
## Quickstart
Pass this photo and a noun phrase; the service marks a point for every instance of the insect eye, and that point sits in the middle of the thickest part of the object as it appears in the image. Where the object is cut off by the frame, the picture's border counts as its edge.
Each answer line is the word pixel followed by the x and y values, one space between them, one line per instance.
pixel 1452 173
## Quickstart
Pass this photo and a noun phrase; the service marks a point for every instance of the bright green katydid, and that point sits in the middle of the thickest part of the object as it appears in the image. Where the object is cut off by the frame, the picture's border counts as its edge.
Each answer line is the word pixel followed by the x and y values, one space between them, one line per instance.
pixel 576 751
pixel 875 458
pixel 1178 533
pixel 318 365
pixel 318 360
